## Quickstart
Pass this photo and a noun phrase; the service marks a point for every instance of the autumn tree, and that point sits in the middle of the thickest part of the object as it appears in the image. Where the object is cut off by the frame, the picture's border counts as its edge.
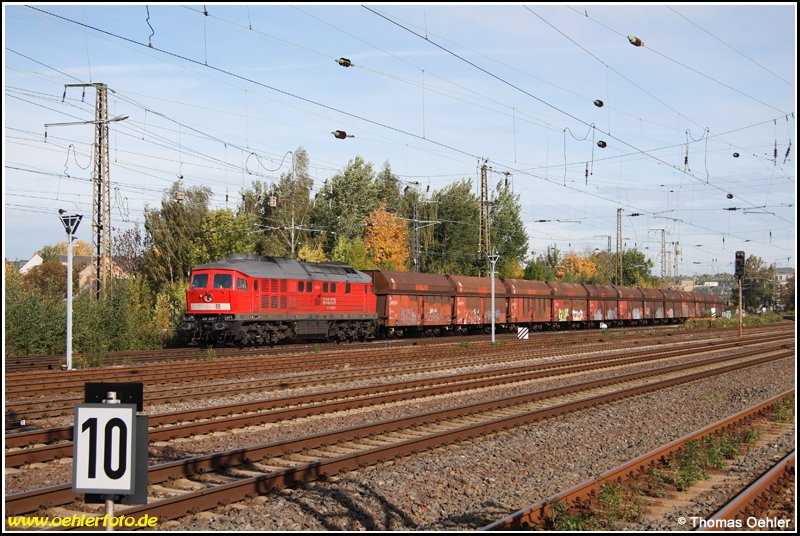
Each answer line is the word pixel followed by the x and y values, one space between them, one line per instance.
pixel 576 269
pixel 79 249
pixel 312 252
pixel 386 239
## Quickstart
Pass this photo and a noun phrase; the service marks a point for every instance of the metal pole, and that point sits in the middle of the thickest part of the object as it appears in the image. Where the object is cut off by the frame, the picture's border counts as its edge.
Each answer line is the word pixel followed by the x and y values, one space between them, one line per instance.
pixel 741 307
pixel 493 260
pixel 111 398
pixel 69 301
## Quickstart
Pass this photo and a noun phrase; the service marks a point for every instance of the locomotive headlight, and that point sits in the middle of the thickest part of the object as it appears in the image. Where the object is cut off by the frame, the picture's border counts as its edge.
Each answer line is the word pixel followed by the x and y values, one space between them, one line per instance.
pixel 207 297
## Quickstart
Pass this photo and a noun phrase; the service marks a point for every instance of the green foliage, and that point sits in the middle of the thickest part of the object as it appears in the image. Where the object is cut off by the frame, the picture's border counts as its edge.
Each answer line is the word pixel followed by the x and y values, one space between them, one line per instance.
pixel 508 234
pixel 36 321
pixel 455 238
pixel 223 233
pixel 686 467
pixel 354 253
pixel 388 187
pixel 171 231
pixel 759 285
pixel 636 268
pixel 283 210
pixel 342 205
pixel 750 437
pixel 563 520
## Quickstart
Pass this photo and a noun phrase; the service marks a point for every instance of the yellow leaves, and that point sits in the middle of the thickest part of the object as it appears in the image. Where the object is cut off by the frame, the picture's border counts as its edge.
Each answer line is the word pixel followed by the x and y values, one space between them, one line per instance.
pixel 386 238
pixel 581 267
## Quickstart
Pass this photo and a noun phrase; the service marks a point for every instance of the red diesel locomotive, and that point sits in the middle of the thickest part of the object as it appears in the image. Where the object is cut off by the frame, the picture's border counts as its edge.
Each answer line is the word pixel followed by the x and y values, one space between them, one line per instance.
pixel 252 300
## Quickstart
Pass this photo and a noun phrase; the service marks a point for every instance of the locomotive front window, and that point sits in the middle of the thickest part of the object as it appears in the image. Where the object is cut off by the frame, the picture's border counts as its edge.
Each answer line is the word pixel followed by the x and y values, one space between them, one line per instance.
pixel 241 284
pixel 301 286
pixel 199 280
pixel 223 281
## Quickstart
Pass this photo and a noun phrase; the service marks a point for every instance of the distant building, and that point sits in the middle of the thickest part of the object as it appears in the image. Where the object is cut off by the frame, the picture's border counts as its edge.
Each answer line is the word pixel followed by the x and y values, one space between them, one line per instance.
pixel 85 275
pixel 784 274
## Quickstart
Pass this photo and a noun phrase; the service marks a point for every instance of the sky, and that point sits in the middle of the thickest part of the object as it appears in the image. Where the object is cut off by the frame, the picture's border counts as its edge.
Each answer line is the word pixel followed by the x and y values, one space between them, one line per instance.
pixel 698 122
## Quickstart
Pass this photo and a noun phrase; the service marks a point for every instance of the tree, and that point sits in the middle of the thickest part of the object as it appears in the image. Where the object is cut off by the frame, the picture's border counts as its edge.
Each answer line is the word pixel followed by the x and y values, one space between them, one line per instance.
pixel 79 248
pixel 758 285
pixel 311 253
pixel 508 234
pixel 543 268
pixel 223 234
pixel 171 231
pixel 455 238
pixel 49 278
pixel 388 187
pixel 636 268
pixel 343 203
pixel 352 252
pixel 386 239
pixel 576 269
pixel 128 250
pixel 787 295
pixel 283 209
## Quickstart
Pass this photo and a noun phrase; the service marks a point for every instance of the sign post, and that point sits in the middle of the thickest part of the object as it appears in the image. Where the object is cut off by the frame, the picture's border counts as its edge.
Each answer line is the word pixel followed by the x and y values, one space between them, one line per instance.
pixel 110 448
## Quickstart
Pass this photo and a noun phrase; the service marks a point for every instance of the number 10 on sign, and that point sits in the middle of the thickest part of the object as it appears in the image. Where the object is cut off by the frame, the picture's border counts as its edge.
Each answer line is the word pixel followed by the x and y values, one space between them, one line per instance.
pixel 104 450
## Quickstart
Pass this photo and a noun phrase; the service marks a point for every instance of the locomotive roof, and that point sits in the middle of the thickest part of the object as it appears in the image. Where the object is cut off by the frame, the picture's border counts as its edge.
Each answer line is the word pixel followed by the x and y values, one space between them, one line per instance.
pixel 282 268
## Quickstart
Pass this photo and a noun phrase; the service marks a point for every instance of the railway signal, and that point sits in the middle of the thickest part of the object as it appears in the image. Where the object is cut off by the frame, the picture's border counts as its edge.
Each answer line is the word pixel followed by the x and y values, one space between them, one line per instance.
pixel 739 272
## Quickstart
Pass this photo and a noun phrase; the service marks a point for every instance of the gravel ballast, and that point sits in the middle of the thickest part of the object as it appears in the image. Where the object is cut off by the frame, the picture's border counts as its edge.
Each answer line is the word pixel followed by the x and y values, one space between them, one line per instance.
pixel 471 484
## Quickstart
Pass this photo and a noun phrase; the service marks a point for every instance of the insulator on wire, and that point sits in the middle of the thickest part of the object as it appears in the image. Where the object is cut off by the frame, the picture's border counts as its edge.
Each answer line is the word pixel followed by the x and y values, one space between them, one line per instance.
pixel 344 62
pixel 598 103
pixel 635 41
pixel 602 144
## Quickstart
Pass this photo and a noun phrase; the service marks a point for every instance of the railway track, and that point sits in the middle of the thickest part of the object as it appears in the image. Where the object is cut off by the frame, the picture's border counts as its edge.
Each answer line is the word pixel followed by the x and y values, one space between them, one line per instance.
pixel 229 476
pixel 756 501
pixel 363 366
pixel 540 515
pixel 23 406
pixel 52 443
pixel 56 362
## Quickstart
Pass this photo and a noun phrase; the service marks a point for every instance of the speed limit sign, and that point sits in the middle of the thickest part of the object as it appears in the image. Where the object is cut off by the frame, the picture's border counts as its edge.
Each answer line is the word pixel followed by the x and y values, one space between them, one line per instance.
pixel 104 457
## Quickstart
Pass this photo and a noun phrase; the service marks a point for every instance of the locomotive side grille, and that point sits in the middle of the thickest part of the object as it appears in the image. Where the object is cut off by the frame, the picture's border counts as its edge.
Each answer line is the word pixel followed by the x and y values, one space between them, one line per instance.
pixel 283 302
pixel 274 302
pixel 265 302
pixel 283 285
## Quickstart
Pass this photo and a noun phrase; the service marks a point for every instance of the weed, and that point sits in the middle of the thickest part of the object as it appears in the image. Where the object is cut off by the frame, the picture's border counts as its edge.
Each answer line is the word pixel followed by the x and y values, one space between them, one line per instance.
pixel 564 521
pixel 206 355
pixel 750 437
pixel 686 468
pixel 463 345
pixel 657 483
pixel 783 410
pixel 317 348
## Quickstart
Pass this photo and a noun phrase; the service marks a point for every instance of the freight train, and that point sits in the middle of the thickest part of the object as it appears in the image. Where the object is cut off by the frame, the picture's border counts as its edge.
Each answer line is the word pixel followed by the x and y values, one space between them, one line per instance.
pixel 248 300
